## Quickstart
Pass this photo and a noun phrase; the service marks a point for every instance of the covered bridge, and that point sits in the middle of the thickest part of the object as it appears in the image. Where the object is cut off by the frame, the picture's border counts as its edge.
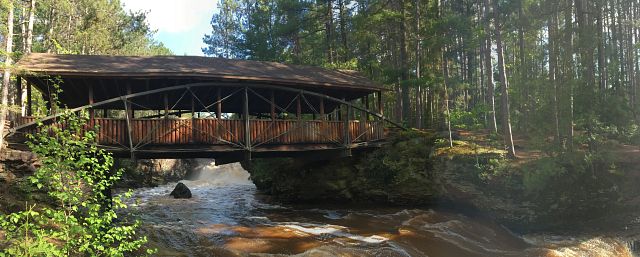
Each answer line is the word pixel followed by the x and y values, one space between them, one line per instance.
pixel 185 106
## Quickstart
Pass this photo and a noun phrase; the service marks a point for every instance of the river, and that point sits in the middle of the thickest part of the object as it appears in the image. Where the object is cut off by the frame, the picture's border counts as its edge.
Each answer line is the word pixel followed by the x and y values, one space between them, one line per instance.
pixel 227 217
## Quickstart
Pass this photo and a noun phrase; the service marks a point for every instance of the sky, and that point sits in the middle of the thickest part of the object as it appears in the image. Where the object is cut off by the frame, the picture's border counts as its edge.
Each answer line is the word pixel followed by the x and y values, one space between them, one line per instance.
pixel 180 24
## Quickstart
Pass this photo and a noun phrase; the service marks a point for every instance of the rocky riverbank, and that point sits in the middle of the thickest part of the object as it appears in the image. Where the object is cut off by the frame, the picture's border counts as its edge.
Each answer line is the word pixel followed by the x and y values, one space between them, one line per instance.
pixel 544 192
pixel 16 167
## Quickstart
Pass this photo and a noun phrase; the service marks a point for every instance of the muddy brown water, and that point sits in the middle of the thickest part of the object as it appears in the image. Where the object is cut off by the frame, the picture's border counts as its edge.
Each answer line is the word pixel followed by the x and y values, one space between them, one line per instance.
pixel 226 217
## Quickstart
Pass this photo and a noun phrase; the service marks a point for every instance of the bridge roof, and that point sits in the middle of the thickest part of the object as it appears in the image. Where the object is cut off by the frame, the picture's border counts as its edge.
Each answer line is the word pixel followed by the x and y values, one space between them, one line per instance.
pixel 191 67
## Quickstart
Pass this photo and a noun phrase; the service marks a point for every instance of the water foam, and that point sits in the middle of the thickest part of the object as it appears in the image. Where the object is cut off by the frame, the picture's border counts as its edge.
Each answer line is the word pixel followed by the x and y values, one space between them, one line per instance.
pixel 335 231
pixel 220 175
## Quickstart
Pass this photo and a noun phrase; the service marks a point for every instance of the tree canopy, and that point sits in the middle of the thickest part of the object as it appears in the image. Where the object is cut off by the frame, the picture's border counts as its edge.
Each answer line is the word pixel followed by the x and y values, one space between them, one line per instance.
pixel 82 27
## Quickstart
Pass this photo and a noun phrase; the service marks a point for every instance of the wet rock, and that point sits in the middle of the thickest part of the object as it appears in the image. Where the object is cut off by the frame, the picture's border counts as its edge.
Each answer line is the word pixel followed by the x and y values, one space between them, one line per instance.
pixel 181 191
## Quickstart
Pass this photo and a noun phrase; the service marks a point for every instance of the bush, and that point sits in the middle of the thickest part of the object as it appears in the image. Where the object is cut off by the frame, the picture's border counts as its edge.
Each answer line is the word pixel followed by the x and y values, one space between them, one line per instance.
pixel 79 177
pixel 572 185
pixel 462 119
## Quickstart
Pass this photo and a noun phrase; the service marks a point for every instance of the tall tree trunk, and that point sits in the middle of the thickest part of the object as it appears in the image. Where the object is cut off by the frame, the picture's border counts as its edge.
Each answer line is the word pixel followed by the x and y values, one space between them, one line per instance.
pixel 328 25
pixel 488 64
pixel 29 40
pixel 404 65
pixel 632 58
pixel 602 63
pixel 343 31
pixel 27 50
pixel 569 69
pixel 481 82
pixel 419 102
pixel 523 68
pixel 636 37
pixel 586 48
pixel 504 83
pixel 23 27
pixel 553 70
pixel 445 96
pixel 48 40
pixel 6 77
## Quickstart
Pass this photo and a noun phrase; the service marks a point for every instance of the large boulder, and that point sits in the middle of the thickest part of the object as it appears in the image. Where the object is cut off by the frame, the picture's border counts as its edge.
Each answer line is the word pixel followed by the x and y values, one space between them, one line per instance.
pixel 399 173
pixel 181 191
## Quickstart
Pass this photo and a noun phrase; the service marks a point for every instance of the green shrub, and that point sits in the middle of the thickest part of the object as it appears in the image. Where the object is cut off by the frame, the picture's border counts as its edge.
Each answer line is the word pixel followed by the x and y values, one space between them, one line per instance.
pixel 463 119
pixel 572 185
pixel 79 177
pixel 542 175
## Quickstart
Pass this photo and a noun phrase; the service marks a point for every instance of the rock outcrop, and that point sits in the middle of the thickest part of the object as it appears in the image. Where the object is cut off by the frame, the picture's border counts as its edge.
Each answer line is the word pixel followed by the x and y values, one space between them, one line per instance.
pixel 16 164
pixel 399 174
pixel 181 191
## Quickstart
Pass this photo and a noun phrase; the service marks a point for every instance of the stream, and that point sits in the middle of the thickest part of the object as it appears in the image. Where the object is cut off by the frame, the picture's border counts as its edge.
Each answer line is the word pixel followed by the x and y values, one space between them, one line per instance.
pixel 228 217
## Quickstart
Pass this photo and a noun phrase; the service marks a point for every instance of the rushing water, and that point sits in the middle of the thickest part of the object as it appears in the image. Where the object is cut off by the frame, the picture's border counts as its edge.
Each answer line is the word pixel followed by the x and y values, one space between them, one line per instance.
pixel 226 217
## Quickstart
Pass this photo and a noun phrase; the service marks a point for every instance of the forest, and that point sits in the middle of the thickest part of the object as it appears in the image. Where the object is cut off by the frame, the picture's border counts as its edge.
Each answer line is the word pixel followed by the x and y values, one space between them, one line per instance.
pixel 560 72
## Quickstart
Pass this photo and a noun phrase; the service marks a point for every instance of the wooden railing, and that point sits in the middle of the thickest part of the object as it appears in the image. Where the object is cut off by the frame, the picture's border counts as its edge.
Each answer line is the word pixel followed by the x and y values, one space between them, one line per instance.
pixel 212 131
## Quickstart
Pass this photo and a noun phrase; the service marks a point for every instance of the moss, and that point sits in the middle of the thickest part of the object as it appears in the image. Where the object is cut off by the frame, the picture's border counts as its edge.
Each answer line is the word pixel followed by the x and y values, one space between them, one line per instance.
pixel 465 148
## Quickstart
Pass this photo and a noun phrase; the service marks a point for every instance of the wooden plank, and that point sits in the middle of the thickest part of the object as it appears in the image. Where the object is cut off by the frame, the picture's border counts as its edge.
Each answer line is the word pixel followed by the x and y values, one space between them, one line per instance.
pixel 29 97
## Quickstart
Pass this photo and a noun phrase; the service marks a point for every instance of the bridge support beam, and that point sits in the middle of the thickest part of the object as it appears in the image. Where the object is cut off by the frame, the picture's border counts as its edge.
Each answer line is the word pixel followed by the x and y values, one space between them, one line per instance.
pixel 218 127
pixel 91 111
pixel 380 104
pixel 272 99
pixel 166 106
pixel 130 112
pixel 18 100
pixel 347 129
pixel 247 129
pixel 218 104
pixel 29 103
pixel 129 134
pixel 193 119
pixel 299 107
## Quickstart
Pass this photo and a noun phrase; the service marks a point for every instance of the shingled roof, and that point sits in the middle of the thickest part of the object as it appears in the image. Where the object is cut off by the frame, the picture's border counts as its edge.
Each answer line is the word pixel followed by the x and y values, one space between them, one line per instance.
pixel 191 67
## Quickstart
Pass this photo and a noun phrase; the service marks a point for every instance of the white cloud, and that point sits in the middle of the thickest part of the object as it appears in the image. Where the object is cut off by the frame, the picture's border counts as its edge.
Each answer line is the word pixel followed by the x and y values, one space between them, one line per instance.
pixel 175 16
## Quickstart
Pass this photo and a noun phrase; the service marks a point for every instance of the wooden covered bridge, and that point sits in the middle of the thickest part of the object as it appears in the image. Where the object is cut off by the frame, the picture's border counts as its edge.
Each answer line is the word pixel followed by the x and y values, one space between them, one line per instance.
pixel 198 107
